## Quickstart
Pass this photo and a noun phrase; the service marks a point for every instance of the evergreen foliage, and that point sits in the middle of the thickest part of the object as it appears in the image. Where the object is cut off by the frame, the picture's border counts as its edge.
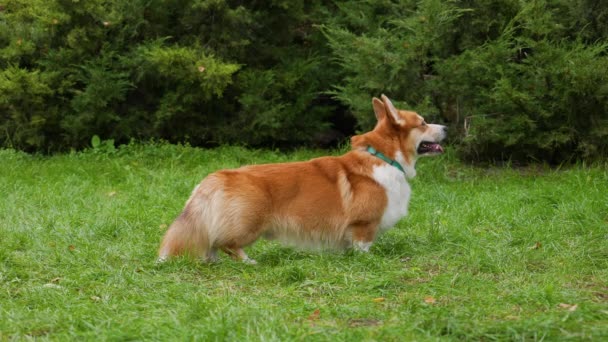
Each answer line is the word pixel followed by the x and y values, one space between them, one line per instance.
pixel 205 71
pixel 520 80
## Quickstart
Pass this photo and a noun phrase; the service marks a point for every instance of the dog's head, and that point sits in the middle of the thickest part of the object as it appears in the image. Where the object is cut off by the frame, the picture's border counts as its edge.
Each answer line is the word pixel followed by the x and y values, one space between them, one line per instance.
pixel 401 134
pixel 416 137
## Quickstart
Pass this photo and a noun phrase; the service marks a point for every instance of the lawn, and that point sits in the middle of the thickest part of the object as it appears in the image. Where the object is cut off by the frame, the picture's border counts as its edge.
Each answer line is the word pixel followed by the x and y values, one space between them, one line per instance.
pixel 486 254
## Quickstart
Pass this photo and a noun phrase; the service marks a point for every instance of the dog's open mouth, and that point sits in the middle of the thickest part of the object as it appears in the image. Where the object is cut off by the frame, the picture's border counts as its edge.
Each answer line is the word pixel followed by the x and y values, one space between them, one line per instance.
pixel 427 147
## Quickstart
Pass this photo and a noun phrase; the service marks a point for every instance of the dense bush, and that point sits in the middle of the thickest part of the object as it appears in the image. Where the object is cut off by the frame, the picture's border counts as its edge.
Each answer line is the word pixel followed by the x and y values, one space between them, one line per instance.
pixel 205 71
pixel 525 80
pixel 521 80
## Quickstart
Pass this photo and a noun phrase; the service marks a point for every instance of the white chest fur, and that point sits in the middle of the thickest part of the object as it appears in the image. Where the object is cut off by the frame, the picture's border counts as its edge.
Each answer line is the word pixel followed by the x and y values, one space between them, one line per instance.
pixel 398 193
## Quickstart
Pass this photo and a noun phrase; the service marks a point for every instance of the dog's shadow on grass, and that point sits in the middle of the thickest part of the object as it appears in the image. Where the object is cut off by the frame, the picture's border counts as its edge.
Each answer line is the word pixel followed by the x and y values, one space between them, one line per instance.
pixel 387 246
pixel 276 255
pixel 271 255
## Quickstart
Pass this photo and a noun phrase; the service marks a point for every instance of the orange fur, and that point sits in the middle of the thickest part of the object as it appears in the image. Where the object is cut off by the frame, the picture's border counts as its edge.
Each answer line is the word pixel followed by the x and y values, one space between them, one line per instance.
pixel 328 201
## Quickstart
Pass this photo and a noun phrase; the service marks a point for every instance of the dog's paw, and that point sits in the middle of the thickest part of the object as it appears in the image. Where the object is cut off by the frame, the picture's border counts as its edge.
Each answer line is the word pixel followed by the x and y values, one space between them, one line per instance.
pixel 362 246
pixel 250 261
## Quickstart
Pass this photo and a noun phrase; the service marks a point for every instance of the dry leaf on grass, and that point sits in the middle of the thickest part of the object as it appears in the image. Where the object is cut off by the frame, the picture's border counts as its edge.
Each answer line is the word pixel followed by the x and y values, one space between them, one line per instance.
pixel 363 322
pixel 569 307
pixel 601 295
pixel 378 300
pixel 314 315
pixel 430 300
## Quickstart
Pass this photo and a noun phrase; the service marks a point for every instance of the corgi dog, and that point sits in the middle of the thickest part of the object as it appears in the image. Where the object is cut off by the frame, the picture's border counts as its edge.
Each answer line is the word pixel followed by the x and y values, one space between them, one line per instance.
pixel 334 202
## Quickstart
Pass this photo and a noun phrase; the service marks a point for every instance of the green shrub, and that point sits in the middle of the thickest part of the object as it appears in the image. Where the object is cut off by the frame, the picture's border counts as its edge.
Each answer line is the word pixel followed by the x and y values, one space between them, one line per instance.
pixel 519 80
pixel 391 47
pixel 550 106
pixel 533 93
pixel 159 69
pixel 25 122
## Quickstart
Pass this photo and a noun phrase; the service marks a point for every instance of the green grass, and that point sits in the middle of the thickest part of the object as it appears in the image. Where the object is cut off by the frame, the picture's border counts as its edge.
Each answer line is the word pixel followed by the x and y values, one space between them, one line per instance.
pixel 485 254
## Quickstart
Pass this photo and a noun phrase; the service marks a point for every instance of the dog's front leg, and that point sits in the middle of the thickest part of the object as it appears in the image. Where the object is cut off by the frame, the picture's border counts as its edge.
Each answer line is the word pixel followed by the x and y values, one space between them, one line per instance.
pixel 363 235
pixel 362 246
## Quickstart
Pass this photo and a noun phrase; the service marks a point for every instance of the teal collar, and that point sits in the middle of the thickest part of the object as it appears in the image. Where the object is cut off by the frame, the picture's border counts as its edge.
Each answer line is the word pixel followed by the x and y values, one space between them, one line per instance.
pixel 379 154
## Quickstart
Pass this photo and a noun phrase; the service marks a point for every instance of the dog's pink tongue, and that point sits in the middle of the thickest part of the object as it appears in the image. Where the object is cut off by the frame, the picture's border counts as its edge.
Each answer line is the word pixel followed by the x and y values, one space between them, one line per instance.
pixel 436 148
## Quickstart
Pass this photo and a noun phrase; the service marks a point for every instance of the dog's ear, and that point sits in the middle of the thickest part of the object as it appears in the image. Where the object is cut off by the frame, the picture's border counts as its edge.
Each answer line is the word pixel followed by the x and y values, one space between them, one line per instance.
pixel 379 109
pixel 392 111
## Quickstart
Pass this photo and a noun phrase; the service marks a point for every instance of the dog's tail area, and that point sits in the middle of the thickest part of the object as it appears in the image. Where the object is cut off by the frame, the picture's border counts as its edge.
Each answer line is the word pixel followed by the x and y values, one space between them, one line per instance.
pixel 190 233
pixel 185 236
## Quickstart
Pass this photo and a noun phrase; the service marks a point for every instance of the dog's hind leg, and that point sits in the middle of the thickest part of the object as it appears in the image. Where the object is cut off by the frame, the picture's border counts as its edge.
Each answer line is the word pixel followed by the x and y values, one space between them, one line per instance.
pixel 211 256
pixel 363 235
pixel 238 253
